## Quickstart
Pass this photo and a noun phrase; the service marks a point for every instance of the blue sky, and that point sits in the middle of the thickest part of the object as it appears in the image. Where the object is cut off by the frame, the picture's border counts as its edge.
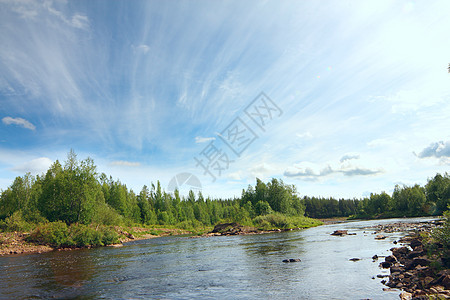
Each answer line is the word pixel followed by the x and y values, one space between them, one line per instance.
pixel 361 90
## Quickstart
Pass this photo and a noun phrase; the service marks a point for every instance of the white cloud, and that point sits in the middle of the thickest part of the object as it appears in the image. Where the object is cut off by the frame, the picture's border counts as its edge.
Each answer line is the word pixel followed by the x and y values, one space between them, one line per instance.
pixel 143 48
pixel 311 171
pixel 349 157
pixel 304 135
pixel 80 21
pixel 440 150
pixel 19 122
pixel 235 175
pixel 199 139
pixel 35 166
pixel 378 143
pixel 123 163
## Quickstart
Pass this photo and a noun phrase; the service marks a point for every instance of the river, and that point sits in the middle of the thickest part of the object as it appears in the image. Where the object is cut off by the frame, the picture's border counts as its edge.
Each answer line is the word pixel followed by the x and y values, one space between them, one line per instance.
pixel 223 267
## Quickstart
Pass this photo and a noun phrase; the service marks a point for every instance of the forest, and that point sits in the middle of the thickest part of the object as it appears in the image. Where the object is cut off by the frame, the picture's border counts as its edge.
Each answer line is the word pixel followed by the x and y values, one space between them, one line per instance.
pixel 74 193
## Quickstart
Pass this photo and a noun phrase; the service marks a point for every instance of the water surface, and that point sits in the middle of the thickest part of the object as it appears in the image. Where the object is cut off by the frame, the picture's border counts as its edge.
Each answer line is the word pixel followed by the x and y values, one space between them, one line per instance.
pixel 228 267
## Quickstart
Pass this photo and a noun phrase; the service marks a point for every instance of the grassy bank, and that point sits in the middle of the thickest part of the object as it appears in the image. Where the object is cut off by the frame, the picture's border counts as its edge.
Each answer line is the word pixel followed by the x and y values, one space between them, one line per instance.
pixel 20 236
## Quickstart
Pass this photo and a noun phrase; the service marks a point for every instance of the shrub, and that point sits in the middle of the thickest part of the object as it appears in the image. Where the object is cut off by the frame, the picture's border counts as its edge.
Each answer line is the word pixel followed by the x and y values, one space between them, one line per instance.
pixel 278 220
pixel 55 234
pixel 442 235
pixel 58 234
pixel 107 215
pixel 15 222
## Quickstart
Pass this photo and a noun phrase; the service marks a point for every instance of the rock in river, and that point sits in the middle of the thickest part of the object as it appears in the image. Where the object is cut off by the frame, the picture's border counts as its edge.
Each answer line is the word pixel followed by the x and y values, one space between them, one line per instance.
pixel 340 232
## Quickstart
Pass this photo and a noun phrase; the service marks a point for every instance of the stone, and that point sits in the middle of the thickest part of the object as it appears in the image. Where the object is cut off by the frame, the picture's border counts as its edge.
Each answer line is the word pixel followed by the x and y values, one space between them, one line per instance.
pixel 446 281
pixel 340 232
pixel 395 269
pixel 380 237
pixel 415 243
pixel 290 260
pixel 398 252
pixel 406 296
pixel 385 264
pixel 391 259
pixel 354 259
pixel 415 253
pixel 375 257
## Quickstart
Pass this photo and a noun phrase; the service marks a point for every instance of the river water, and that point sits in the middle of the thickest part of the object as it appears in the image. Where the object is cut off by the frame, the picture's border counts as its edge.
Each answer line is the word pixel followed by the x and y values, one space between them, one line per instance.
pixel 224 267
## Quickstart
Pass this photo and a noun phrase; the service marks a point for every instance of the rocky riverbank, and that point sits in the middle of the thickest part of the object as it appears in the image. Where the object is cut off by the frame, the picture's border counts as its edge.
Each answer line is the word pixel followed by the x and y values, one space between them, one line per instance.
pixel 16 243
pixel 414 269
pixel 237 229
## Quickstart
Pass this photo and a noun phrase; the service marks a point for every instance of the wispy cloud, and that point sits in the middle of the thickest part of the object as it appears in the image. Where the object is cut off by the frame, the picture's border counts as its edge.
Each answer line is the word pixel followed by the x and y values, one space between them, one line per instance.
pixel 199 139
pixel 123 163
pixel 19 122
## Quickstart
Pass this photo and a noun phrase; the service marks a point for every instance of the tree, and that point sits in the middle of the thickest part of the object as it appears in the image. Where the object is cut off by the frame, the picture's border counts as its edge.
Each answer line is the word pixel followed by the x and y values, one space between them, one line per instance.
pixel 70 194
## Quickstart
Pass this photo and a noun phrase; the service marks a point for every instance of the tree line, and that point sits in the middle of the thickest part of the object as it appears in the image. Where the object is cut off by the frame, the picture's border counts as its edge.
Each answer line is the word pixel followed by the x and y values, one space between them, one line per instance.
pixel 74 192
pixel 409 201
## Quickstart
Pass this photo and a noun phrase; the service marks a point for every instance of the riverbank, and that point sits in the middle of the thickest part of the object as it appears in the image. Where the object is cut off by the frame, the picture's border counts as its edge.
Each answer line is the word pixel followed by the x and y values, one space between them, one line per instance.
pixel 417 267
pixel 13 243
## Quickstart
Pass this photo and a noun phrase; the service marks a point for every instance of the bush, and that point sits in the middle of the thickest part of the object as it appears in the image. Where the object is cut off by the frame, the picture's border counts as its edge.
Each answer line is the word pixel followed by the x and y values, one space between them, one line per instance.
pixel 107 215
pixel 272 221
pixel 280 221
pixel 190 225
pixel 55 234
pixel 58 234
pixel 15 222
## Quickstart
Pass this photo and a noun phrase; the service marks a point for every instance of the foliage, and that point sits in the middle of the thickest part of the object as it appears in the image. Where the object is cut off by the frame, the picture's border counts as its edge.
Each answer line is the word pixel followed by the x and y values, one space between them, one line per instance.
pixel 15 222
pixel 59 234
pixel 442 235
pixel 277 220
pixel 55 234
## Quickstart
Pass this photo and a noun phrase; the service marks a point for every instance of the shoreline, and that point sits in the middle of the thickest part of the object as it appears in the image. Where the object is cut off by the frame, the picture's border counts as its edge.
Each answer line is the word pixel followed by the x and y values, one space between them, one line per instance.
pixel 15 243
pixel 413 270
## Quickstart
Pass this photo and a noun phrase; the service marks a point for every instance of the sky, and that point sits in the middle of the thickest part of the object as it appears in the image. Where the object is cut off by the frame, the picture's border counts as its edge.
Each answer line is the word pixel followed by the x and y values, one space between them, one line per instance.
pixel 340 98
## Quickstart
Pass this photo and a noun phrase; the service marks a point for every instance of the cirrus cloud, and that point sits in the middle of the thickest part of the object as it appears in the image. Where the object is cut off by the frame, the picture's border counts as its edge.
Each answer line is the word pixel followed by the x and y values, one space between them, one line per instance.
pixel 123 163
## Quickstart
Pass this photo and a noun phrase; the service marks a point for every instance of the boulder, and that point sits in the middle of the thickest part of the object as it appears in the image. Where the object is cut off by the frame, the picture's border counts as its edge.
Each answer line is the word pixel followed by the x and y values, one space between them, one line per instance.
pixel 354 259
pixel 446 281
pixel 340 232
pixel 415 253
pixel 415 243
pixel 391 259
pixel 380 237
pixel 398 252
pixel 417 261
pixel 227 228
pixel 290 260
